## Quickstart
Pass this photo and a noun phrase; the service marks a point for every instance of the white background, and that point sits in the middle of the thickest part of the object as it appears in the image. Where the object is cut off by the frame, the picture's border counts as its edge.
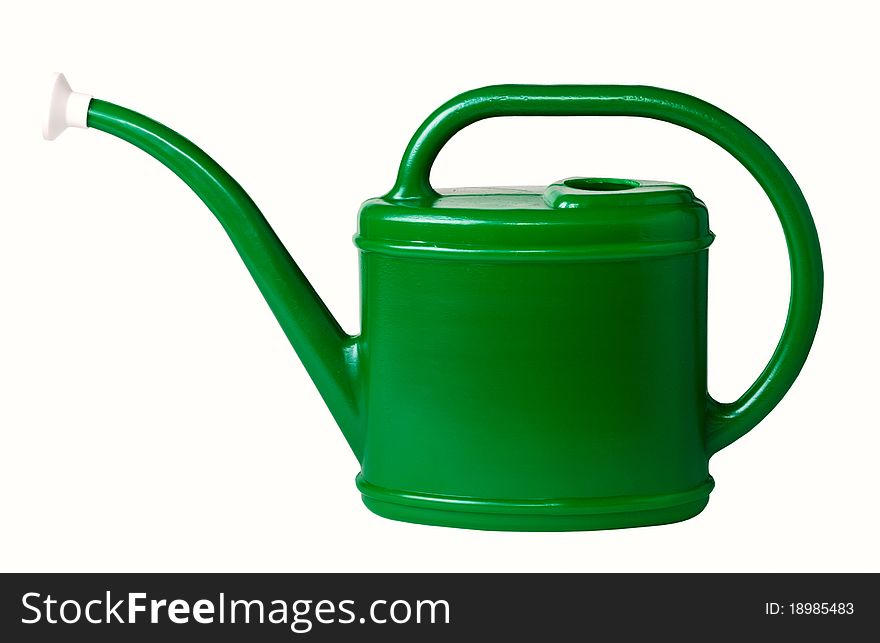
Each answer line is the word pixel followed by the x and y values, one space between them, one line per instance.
pixel 153 416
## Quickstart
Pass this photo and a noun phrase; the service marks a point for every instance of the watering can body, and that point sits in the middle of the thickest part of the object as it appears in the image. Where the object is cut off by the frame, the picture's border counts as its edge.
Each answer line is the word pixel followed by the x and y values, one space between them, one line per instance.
pixel 534 355
pixel 530 358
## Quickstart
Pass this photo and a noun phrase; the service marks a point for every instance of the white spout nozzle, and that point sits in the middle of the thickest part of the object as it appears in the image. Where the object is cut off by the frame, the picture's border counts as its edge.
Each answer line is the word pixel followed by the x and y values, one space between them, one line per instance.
pixel 67 108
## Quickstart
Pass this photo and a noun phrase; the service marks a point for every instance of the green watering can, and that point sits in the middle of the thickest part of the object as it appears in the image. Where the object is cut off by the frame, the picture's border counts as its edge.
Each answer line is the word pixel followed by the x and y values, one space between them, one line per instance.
pixel 530 358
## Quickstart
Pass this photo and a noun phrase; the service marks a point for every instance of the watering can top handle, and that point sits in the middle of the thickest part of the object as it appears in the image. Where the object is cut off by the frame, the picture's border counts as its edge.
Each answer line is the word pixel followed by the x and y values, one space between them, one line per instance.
pixel 726 421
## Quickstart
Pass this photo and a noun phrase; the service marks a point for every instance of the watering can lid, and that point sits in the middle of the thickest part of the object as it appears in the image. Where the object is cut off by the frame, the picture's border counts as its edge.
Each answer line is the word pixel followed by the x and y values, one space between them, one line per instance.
pixel 571 219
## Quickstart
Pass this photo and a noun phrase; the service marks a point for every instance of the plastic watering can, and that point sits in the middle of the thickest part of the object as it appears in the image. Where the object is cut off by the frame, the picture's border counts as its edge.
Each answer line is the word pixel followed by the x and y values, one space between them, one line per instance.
pixel 530 358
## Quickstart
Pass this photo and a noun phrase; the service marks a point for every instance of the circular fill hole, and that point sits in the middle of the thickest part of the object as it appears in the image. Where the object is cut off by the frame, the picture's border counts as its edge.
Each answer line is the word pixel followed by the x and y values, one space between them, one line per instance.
pixel 601 185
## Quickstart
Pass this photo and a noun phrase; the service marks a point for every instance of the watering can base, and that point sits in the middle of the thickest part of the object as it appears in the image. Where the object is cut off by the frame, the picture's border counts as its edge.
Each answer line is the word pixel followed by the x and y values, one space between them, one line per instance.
pixel 564 514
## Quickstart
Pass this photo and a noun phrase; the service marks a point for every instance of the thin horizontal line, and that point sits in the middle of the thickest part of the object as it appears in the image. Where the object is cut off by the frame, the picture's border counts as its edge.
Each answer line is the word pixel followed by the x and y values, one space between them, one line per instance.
pixel 608 251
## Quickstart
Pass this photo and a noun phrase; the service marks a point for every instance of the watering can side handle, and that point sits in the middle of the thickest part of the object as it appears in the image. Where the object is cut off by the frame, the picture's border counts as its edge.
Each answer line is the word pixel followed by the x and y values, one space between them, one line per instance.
pixel 726 422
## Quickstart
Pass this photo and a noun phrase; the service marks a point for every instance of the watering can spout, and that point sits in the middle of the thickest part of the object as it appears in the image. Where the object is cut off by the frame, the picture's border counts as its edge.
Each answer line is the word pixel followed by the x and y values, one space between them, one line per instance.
pixel 329 354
